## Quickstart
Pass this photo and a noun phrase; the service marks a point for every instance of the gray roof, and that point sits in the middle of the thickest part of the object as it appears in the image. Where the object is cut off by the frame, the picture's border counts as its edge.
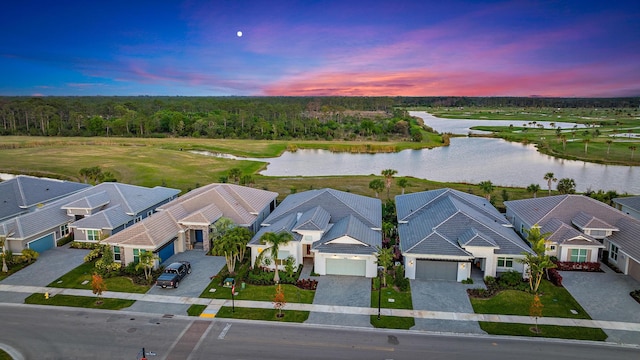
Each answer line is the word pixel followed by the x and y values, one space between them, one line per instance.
pixel 314 219
pixel 564 234
pixel 443 222
pixel 89 202
pixel 585 221
pixel 108 219
pixel 337 203
pixel 352 227
pixel 632 202
pixel 131 199
pixel 284 224
pixel 23 192
pixel 566 207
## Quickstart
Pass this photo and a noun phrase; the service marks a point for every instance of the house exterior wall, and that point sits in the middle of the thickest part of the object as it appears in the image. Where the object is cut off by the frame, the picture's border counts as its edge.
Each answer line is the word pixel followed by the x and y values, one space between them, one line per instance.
pixel 490 262
pixel 517 265
pixel 410 264
pixel 629 211
pixel 565 253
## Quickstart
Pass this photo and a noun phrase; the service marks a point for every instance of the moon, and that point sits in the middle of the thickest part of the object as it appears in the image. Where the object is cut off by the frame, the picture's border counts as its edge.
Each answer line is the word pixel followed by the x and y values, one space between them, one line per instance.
pixel 239 33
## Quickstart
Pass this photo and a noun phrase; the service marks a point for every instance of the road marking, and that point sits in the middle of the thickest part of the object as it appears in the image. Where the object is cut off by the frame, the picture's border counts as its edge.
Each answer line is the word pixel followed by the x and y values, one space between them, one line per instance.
pixel 224 331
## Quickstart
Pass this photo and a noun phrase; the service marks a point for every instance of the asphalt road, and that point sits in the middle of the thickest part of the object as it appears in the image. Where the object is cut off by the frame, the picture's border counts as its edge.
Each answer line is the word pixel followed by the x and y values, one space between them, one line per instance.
pixel 65 333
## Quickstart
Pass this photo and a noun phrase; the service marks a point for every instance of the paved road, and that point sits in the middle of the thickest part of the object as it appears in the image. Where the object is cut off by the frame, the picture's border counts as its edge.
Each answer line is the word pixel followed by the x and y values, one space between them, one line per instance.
pixel 97 334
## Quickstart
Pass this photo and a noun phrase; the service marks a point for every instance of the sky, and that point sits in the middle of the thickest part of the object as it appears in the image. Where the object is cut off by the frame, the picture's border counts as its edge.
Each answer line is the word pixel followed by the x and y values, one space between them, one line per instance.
pixel 552 48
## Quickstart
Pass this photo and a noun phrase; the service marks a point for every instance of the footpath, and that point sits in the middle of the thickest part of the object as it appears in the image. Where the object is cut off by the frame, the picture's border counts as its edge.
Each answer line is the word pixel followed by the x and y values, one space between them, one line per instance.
pixel 214 305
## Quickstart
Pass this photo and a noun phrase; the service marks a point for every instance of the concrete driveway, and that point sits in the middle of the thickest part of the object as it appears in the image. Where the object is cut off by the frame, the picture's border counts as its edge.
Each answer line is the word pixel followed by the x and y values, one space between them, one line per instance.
pixel 443 296
pixel 50 265
pixel 202 268
pixel 605 296
pixel 342 291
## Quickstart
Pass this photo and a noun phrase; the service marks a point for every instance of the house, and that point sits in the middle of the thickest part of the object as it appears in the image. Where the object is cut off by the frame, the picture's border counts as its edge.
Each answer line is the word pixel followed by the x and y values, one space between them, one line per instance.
pixel 91 214
pixel 24 194
pixel 581 229
pixel 340 231
pixel 184 223
pixel 444 232
pixel 628 205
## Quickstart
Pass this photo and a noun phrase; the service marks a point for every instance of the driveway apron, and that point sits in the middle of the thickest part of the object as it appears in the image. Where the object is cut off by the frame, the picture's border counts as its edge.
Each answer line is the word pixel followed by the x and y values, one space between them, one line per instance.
pixel 605 296
pixel 50 265
pixel 443 296
pixel 342 291
pixel 203 267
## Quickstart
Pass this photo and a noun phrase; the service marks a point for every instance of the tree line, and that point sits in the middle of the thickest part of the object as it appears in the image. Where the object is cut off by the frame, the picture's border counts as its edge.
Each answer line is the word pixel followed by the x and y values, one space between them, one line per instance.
pixel 328 118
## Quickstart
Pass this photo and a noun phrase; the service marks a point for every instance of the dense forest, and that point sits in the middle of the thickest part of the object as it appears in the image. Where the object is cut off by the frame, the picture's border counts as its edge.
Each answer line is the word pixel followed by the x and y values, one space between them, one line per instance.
pixel 328 118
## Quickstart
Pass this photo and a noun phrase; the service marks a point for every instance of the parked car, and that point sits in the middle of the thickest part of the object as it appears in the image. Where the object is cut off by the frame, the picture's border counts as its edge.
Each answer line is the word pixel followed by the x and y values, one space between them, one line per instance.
pixel 173 274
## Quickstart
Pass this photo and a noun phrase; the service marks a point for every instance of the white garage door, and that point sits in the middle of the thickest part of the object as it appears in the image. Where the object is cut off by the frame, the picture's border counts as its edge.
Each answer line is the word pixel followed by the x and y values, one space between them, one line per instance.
pixel 346 267
pixel 436 270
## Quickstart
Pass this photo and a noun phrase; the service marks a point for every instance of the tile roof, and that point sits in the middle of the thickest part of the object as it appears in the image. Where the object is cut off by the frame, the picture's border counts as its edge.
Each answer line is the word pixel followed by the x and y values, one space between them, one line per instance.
pixel 202 206
pixel 632 202
pixel 284 224
pixel 23 192
pixel 313 219
pixel 442 222
pixel 108 219
pixel 585 221
pixel 352 227
pixel 338 203
pixel 566 207
pixel 131 199
pixel 564 234
pixel 89 202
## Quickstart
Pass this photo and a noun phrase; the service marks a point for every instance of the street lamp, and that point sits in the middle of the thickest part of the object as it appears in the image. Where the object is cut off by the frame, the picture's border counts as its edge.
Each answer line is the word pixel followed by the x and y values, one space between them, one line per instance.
pixel 380 272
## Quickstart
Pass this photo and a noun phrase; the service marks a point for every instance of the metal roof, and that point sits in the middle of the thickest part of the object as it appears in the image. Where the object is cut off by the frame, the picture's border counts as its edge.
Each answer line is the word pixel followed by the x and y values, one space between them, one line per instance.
pixel 632 202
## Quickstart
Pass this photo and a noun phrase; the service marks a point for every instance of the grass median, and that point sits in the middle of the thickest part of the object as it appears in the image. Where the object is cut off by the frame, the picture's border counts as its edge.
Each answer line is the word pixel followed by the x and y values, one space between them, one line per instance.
pixel 80 278
pixel 78 301
pixel 262 314
pixel 392 298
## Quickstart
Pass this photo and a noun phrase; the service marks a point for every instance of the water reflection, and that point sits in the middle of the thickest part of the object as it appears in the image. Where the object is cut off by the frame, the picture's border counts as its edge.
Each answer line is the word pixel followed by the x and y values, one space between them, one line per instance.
pixel 466 160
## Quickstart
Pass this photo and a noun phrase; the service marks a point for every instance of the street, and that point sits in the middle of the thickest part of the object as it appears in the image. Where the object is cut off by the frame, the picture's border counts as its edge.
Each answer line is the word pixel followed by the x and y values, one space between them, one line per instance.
pixel 64 333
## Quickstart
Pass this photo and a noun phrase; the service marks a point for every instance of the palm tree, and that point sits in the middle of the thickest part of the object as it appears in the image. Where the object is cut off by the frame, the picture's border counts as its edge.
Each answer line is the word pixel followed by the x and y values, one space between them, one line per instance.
pixel 388 178
pixel 276 240
pixel 5 268
pixel 550 178
pixel 232 246
pixel 376 185
pixel 235 174
pixel 567 186
pixel 146 261
pixel 218 229
pixel 533 188
pixel 633 149
pixel 487 188
pixel 586 145
pixel 384 259
pixel 403 182
pixel 609 141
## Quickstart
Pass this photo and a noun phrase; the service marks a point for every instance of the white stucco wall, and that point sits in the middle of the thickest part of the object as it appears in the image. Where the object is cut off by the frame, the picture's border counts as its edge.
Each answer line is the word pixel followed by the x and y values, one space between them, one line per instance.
pixel 565 253
pixel 320 263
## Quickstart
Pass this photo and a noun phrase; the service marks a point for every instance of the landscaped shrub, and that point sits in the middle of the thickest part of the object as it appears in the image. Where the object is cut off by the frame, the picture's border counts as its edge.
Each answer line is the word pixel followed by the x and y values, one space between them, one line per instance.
pixel 555 277
pixel 65 240
pixel 579 266
pixel 83 245
pixel 307 284
pixel 93 254
pixel 635 295
pixel 400 280
pixel 510 279
pixel 467 281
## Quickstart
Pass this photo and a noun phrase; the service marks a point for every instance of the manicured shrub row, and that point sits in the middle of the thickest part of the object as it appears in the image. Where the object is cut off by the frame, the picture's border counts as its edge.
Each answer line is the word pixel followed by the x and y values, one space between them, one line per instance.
pixel 307 284
pixel 578 266
pixel 555 277
pixel 511 280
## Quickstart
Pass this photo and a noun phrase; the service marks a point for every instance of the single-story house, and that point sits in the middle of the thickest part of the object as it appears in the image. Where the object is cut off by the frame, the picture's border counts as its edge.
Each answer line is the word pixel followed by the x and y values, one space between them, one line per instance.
pixel 91 214
pixel 184 223
pixel 628 205
pixel 444 232
pixel 581 229
pixel 340 231
pixel 24 194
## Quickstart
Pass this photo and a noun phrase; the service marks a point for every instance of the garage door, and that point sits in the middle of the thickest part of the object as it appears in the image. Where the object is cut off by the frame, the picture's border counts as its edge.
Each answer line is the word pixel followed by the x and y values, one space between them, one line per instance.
pixel 166 251
pixel 346 267
pixel 43 244
pixel 634 269
pixel 436 270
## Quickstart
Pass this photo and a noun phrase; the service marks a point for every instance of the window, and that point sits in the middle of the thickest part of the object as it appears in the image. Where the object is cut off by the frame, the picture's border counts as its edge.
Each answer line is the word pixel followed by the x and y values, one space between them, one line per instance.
pixel 149 213
pixel 93 235
pixel 138 218
pixel 64 230
pixel 552 248
pixel 578 255
pixel 136 255
pixel 308 238
pixel 116 253
pixel 598 233
pixel 613 253
pixel 505 262
pixel 282 257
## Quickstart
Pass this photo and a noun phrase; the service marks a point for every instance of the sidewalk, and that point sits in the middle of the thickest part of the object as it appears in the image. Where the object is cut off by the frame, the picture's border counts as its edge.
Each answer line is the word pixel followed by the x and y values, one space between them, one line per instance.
pixel 213 305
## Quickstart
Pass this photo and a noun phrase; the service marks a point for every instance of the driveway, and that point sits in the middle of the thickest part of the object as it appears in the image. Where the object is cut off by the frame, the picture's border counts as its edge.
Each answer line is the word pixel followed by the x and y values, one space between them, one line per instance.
pixel 50 265
pixel 605 296
pixel 202 268
pixel 443 296
pixel 342 291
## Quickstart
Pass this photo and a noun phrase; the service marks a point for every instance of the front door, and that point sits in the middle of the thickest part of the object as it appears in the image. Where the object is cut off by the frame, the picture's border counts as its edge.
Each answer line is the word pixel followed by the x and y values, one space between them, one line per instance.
pixel 199 237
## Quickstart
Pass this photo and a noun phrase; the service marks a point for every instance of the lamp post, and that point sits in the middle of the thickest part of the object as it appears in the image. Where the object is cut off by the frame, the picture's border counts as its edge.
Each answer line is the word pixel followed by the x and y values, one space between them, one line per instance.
pixel 380 270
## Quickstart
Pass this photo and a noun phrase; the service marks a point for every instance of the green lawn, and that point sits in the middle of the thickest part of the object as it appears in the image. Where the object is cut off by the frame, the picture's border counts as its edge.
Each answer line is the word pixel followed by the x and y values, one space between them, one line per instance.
pixel 392 322
pixel 262 314
pixel 4 355
pixel 401 300
pixel 78 301
pixel 556 300
pixel 74 279
pixel 549 331
pixel 196 310
pixel 259 293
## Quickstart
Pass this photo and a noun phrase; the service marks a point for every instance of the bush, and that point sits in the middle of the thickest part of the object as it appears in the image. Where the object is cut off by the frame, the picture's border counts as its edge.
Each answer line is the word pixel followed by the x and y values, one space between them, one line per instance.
pixel 93 254
pixel 83 245
pixel 510 279
pixel 400 280
pixel 555 277
pixel 65 240
pixel 635 295
pixel 307 284
pixel 29 255
pixel 579 266
pixel 467 281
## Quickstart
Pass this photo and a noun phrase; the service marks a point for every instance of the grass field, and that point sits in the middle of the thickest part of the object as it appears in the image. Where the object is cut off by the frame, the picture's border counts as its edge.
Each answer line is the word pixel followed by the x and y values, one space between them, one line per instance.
pixel 79 301
pixel 74 280
pixel 262 314
pixel 548 331
pixel 259 293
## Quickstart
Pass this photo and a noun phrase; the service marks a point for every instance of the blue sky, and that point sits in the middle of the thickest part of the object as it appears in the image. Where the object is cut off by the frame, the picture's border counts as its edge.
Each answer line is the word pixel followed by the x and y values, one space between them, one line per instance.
pixel 368 48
